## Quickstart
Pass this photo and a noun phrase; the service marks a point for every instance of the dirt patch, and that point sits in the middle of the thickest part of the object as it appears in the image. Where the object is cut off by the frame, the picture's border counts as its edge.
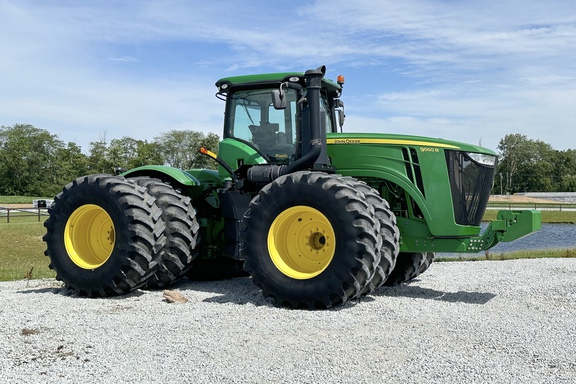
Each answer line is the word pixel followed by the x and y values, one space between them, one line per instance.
pixel 518 199
pixel 17 206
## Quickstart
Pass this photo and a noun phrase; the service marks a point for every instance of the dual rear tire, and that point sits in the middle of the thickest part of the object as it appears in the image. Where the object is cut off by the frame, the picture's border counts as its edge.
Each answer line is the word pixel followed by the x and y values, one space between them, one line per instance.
pixel 107 235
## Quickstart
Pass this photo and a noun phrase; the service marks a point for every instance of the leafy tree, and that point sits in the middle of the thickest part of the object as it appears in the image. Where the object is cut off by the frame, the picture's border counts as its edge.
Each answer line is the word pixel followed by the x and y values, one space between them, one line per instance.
pixel 535 172
pixel 148 153
pixel 99 159
pixel 34 162
pixel 525 164
pixel 568 183
pixel 69 164
pixel 180 148
pixel 131 153
pixel 513 151
pixel 564 171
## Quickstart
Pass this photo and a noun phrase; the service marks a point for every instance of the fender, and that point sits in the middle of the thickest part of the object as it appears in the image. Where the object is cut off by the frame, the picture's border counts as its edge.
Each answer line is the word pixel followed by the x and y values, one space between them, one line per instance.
pixel 164 173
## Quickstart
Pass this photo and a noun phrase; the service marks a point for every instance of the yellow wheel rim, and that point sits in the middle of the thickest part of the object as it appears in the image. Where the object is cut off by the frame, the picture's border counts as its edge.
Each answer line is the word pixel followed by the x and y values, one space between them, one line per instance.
pixel 301 242
pixel 89 236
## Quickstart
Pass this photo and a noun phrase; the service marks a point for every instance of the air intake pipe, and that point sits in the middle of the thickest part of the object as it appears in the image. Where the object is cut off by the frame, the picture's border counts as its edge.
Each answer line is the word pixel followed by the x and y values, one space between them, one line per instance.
pixel 263 174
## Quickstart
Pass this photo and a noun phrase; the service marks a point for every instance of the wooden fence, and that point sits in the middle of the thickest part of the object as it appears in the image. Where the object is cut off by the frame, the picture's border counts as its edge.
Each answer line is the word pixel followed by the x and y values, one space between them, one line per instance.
pixel 537 206
pixel 22 214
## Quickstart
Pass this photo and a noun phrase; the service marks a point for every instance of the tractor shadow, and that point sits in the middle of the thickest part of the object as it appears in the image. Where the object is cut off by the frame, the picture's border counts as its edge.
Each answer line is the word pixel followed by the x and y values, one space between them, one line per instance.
pixel 241 291
pixel 60 290
pixel 39 290
pixel 416 292
pixel 238 290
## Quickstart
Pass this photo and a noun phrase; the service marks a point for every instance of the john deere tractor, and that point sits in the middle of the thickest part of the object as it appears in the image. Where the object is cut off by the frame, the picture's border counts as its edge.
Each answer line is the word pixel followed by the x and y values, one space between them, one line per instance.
pixel 315 216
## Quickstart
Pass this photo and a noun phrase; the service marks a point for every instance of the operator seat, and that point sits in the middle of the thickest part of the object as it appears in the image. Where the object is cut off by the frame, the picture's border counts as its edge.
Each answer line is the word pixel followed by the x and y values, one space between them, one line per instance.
pixel 270 141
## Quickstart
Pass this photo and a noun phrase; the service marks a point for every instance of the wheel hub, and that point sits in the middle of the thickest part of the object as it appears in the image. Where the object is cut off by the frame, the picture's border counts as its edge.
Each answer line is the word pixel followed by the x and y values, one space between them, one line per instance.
pixel 301 242
pixel 317 241
pixel 89 236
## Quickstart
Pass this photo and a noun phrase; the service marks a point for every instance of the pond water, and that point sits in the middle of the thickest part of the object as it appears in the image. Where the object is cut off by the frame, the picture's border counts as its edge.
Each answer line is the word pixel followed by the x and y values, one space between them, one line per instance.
pixel 551 236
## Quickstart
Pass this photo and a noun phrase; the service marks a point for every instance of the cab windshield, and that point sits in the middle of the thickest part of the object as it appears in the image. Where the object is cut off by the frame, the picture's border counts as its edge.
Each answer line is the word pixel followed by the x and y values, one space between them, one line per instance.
pixel 253 119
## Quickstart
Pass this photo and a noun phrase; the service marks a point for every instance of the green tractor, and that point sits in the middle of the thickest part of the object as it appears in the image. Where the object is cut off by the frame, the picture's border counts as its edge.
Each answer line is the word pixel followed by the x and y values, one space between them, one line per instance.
pixel 315 216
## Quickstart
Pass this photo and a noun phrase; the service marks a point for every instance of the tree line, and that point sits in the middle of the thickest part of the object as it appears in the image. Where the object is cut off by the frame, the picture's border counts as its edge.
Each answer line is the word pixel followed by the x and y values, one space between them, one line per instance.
pixel 527 165
pixel 34 162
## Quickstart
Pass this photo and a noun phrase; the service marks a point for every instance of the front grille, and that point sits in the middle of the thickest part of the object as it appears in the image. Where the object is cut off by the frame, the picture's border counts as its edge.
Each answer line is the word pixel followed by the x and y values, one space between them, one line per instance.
pixel 470 183
pixel 413 170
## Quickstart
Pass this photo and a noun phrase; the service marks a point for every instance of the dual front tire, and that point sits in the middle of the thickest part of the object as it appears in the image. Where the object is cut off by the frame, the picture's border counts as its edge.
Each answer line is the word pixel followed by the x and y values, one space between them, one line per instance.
pixel 312 240
pixel 409 265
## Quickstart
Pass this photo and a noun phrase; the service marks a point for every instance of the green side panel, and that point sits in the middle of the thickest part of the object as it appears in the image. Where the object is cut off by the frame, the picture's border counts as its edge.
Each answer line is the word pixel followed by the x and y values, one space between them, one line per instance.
pixel 236 153
pixel 161 172
pixel 380 156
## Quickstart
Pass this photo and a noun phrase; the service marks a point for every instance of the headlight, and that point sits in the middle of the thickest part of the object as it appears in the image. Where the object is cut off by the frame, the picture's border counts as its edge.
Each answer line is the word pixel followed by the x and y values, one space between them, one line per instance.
pixel 482 158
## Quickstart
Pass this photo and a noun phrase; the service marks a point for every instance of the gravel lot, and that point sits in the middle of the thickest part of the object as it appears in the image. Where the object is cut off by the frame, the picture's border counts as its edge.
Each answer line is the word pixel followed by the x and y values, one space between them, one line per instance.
pixel 473 322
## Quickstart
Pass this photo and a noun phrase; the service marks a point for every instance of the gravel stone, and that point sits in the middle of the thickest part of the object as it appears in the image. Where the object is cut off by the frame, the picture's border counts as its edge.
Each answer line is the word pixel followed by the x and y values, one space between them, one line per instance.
pixel 474 322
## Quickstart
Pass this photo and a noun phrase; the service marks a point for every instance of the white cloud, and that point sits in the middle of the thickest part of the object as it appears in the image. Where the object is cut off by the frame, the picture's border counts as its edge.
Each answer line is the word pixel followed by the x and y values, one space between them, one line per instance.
pixel 125 59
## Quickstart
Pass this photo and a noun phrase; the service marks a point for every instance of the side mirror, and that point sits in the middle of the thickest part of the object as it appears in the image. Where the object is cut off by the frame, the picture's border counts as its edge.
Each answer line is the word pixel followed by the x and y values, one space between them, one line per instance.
pixel 278 98
pixel 341 116
pixel 339 106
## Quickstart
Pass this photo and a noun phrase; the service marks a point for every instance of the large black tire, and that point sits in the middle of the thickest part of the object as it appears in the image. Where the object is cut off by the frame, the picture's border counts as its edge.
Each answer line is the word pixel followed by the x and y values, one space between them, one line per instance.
pixel 104 236
pixel 389 234
pixel 407 266
pixel 181 232
pixel 430 256
pixel 310 240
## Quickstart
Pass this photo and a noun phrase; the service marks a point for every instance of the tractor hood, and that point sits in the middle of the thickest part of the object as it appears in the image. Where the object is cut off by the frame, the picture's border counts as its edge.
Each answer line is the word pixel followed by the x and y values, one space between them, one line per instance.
pixel 404 140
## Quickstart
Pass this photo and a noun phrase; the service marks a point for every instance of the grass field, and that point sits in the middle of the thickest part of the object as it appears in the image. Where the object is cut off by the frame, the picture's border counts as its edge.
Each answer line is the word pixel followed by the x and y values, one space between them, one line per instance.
pixel 22 251
pixel 21 199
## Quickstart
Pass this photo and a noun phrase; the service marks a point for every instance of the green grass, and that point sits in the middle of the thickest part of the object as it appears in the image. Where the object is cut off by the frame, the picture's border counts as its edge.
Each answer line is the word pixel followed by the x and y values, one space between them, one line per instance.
pixel 22 251
pixel 21 199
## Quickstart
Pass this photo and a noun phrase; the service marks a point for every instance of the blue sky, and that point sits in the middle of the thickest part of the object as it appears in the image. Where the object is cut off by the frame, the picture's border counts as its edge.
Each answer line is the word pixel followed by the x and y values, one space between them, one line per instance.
pixel 467 70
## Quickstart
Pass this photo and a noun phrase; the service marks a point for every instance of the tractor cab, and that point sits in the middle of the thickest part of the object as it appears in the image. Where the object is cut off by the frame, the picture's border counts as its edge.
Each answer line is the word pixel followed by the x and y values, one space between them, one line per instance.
pixel 268 118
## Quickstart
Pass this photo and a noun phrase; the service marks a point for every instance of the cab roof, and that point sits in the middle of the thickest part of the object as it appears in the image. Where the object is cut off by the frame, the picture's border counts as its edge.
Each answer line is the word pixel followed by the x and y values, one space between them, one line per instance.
pixel 275 79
